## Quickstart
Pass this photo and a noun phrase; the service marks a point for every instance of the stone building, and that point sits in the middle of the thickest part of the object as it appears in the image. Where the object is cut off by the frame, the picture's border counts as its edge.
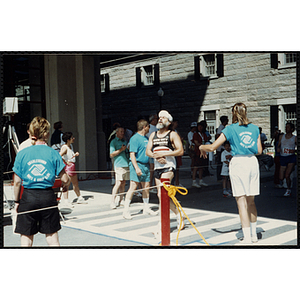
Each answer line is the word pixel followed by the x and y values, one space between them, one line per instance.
pixel 89 92
pixel 201 86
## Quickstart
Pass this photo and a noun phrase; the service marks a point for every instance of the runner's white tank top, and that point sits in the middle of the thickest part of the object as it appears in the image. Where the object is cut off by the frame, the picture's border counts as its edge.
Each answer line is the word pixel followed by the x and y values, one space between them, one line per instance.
pixel 287 145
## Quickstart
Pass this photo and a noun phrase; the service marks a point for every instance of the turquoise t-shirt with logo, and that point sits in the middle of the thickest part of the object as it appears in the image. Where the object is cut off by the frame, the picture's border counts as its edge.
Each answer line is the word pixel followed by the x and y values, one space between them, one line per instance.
pixel 37 166
pixel 242 139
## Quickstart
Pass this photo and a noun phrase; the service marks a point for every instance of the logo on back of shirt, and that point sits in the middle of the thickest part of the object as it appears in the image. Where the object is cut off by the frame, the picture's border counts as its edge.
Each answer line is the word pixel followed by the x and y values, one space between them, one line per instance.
pixel 246 139
pixel 37 170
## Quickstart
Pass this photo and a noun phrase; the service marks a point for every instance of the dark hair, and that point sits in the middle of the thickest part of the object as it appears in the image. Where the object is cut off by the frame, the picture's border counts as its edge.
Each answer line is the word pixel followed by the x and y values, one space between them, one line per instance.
pixel 223 119
pixel 291 125
pixel 67 136
pixel 203 124
pixel 226 142
pixel 57 125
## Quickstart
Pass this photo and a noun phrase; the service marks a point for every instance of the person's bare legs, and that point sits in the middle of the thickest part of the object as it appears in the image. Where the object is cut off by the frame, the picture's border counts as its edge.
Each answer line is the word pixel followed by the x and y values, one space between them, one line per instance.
pixel 26 240
pixel 52 239
pixel 248 214
pixel 114 192
pixel 74 180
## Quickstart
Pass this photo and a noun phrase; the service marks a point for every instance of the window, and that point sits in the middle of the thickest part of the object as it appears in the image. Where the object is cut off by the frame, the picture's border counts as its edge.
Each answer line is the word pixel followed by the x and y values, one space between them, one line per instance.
pixel 210 118
pixel 104 83
pixel 283 60
pixel 147 75
pixel 290 114
pixel 209 66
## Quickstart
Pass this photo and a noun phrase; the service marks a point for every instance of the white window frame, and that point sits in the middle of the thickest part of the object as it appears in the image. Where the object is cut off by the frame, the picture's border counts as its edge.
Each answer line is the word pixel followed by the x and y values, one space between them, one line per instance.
pixel 145 76
pixel 282 61
pixel 102 83
pixel 215 108
pixel 204 65
pixel 281 111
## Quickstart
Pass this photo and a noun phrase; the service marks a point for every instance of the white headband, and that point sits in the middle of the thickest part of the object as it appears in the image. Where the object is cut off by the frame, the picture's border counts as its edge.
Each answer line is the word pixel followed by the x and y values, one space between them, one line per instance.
pixel 164 113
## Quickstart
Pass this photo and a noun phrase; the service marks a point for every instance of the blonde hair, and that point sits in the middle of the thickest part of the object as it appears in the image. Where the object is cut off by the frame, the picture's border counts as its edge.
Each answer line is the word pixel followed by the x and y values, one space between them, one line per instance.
pixel 38 128
pixel 239 114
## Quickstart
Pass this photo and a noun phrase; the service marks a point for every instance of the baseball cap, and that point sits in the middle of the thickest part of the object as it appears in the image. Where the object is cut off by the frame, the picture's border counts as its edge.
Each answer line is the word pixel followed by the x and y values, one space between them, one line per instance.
pixel 194 124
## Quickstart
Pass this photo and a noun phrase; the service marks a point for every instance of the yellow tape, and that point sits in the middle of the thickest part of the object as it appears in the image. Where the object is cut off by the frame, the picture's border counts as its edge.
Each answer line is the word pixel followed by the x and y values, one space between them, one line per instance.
pixel 183 191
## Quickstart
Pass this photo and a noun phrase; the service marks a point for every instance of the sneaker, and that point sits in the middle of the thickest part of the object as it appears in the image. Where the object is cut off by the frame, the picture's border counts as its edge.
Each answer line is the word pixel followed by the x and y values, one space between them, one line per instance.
pixel 243 242
pixel 201 182
pixel 149 211
pixel 138 194
pixel 279 186
pixel 287 193
pixel 195 184
pixel 153 190
pixel 127 215
pixel 178 222
pixel 81 200
pixel 254 238
pixel 117 201
pixel 122 203
pixel 113 205
pixel 225 193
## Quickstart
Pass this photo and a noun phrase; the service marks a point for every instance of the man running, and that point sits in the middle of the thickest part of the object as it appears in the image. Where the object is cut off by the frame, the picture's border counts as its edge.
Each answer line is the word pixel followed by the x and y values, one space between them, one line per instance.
pixel 163 146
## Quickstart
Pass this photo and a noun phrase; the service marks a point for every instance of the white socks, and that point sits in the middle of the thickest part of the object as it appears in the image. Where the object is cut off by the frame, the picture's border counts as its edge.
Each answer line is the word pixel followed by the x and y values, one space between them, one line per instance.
pixel 126 204
pixel 247 234
pixel 253 228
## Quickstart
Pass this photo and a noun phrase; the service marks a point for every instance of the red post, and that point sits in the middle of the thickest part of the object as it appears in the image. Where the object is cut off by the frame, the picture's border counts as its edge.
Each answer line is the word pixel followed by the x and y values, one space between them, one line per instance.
pixel 165 214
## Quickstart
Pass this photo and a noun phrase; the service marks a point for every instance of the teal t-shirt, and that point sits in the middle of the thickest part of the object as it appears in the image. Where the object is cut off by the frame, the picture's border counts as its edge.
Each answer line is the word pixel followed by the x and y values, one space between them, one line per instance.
pixel 121 160
pixel 242 139
pixel 138 145
pixel 37 166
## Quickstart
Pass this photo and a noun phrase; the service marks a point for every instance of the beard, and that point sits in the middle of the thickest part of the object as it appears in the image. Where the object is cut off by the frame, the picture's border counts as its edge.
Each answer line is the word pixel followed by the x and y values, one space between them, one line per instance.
pixel 162 125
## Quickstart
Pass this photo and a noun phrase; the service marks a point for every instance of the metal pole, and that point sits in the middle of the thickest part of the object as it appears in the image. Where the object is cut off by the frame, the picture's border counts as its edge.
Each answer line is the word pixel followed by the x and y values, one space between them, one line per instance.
pixel 165 214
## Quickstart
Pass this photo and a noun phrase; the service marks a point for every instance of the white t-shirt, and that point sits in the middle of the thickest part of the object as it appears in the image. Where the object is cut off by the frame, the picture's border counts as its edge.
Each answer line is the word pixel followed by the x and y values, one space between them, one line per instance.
pixel 225 167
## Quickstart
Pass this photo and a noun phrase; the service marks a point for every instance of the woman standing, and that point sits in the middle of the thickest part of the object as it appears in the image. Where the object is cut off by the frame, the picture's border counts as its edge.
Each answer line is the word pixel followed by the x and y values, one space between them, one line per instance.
pixel 37 167
pixel 68 157
pixel 244 139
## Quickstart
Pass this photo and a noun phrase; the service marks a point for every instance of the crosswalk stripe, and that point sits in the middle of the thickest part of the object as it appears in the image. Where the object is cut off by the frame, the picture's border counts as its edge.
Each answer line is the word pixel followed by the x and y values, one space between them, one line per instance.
pixel 217 228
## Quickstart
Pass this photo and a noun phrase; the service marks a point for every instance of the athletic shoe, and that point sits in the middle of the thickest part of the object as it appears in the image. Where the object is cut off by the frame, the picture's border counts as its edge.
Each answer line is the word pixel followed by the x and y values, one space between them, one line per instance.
pixel 244 243
pixel 153 190
pixel 81 200
pixel 127 215
pixel 279 186
pixel 195 184
pixel 117 201
pixel 149 211
pixel 201 182
pixel 138 194
pixel 226 194
pixel 122 203
pixel 287 193
pixel 113 205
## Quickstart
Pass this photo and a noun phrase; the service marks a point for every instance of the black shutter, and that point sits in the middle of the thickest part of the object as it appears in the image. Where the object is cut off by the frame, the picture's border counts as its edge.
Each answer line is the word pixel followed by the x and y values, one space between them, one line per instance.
pixel 274 60
pixel 106 82
pixel 197 67
pixel 220 65
pixel 138 77
pixel 156 75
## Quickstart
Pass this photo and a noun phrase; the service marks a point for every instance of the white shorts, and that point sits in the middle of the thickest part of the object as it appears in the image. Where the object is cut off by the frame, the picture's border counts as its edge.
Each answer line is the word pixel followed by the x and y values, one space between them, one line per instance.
pixel 122 173
pixel 244 175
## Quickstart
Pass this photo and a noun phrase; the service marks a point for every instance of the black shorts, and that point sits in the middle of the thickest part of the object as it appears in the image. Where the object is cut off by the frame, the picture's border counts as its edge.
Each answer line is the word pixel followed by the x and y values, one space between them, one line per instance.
pixel 158 172
pixel 43 221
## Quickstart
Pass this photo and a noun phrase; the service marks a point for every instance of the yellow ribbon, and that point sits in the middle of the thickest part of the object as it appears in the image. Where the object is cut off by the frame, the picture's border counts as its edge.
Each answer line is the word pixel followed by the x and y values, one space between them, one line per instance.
pixel 171 189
